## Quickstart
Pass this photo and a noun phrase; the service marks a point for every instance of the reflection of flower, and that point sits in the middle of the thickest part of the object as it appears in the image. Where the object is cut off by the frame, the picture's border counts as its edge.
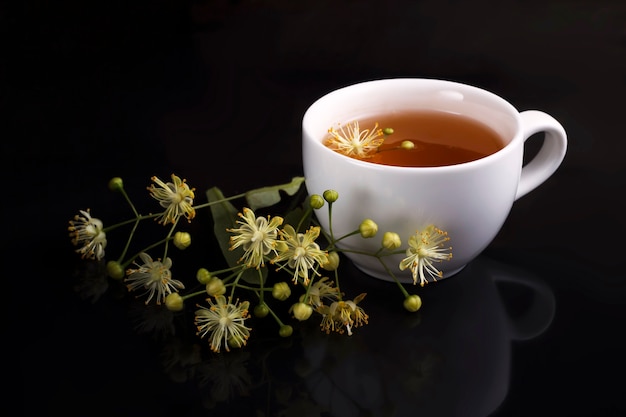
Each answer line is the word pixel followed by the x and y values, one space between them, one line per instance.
pixel 257 235
pixel 300 251
pixel 180 359
pixel 343 376
pixel 88 232
pixel 426 247
pixel 155 320
pixel 352 141
pixel 176 197
pixel 92 280
pixel 225 375
pixel 301 406
pixel 223 323
pixel 154 276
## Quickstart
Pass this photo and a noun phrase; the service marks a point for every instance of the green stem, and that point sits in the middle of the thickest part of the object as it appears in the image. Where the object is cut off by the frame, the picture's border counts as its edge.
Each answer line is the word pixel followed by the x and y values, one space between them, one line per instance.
pixel 235 284
pixel 147 248
pixel 273 314
pixel 125 222
pixel 169 236
pixel 230 269
pixel 339 296
pixel 278 320
pixel 347 235
pixel 130 238
pixel 330 222
pixel 246 287
pixel 193 294
pixel 130 203
pixel 222 200
pixel 357 252
pixel 262 285
pixel 307 212
pixel 393 276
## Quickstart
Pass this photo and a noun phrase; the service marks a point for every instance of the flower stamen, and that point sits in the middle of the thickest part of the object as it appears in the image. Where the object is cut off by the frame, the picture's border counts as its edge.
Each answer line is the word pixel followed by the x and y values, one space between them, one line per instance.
pixel 351 141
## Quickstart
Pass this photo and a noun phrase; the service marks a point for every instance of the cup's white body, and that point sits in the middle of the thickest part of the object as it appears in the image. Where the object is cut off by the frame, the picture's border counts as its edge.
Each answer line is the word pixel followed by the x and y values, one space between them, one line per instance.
pixel 469 201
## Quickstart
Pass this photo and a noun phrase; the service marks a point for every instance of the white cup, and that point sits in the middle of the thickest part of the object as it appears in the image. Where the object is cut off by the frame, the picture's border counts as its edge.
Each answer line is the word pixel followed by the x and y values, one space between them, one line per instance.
pixel 470 201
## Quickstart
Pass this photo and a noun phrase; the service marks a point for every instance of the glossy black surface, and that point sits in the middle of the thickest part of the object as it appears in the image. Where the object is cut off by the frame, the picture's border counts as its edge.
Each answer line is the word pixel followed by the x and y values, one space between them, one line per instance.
pixel 215 92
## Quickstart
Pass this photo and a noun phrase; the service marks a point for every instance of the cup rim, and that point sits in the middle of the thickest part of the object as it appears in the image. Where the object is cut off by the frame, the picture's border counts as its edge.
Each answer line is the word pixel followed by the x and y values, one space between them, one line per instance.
pixel 508 147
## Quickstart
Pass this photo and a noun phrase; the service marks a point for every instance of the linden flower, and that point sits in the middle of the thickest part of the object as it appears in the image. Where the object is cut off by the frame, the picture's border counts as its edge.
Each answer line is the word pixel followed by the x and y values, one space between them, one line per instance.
pixel 300 251
pixel 88 232
pixel 223 321
pixel 322 290
pixel 426 248
pixel 343 314
pixel 154 276
pixel 176 197
pixel 351 141
pixel 257 236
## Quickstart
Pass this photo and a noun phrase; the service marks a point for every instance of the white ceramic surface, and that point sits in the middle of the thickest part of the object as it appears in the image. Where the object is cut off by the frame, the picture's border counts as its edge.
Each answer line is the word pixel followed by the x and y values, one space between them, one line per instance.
pixel 470 201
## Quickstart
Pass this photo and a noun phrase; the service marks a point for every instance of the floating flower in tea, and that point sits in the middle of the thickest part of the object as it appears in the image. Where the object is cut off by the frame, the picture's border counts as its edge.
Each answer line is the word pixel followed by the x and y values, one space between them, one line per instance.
pixel 352 141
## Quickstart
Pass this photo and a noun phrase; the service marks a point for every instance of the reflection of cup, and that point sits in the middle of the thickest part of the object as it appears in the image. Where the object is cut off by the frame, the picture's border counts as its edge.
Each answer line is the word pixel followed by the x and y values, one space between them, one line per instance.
pixel 469 200
pixel 454 361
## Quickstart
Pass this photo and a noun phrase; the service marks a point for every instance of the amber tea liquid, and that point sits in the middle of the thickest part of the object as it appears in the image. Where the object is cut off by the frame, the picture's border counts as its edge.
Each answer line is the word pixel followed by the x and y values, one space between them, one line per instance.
pixel 439 138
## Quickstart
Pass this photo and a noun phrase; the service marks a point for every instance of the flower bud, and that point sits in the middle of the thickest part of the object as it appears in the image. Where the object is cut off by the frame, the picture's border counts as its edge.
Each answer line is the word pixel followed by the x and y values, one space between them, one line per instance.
pixel 203 276
pixel 174 302
pixel 407 144
pixel 215 287
pixel 333 261
pixel 285 330
pixel 115 270
pixel 236 341
pixel 391 240
pixel 182 240
pixel 331 196
pixel 368 228
pixel 281 291
pixel 388 131
pixel 413 303
pixel 316 201
pixel 302 311
pixel 261 310
pixel 116 184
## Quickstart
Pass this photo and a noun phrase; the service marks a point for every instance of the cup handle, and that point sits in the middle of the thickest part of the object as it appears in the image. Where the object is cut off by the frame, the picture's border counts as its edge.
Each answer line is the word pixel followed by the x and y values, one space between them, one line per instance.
pixel 551 154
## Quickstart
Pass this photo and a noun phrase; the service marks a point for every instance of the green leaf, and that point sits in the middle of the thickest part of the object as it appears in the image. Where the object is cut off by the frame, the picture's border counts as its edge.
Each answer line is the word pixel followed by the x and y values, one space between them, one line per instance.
pixel 225 217
pixel 268 196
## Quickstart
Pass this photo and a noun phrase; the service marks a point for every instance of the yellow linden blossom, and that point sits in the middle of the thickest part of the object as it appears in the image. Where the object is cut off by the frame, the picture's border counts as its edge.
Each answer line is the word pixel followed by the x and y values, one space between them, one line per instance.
pixel 257 235
pixel 322 290
pixel 300 251
pixel 154 276
pixel 176 197
pixel 351 141
pixel 88 232
pixel 425 248
pixel 223 323
pixel 342 315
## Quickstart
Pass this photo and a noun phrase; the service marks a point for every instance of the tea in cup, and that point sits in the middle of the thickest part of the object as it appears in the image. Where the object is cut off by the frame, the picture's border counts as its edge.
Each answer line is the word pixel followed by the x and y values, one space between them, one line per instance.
pixel 415 153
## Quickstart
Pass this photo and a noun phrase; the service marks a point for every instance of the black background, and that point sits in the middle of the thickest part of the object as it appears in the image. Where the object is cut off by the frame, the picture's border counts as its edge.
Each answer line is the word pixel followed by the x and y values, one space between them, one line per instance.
pixel 215 91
